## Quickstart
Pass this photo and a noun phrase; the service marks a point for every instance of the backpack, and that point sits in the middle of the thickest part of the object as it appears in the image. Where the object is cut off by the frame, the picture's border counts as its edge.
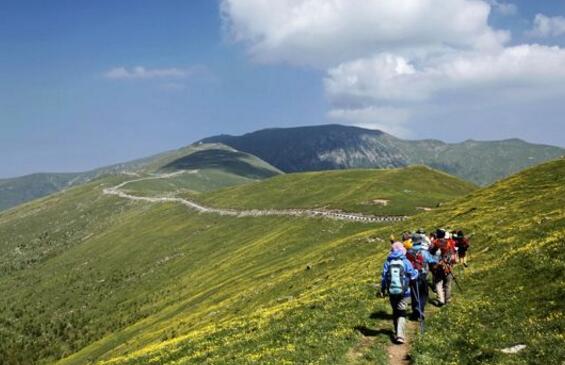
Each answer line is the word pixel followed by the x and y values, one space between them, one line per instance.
pixel 396 280
pixel 442 269
pixel 463 243
pixel 447 250
pixel 417 261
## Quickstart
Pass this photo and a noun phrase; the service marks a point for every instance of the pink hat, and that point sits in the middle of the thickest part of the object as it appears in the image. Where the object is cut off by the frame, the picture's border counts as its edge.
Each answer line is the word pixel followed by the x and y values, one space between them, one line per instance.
pixel 398 246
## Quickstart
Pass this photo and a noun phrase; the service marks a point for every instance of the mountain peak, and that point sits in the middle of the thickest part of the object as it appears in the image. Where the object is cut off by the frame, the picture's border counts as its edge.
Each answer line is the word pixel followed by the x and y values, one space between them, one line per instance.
pixel 335 146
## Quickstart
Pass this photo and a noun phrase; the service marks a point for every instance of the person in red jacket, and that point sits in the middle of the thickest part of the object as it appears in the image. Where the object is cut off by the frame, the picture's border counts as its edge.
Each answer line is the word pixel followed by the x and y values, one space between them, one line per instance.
pixel 443 247
pixel 462 244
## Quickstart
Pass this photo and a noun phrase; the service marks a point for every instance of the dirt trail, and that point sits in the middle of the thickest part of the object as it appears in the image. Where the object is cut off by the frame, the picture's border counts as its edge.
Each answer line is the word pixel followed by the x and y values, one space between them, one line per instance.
pixel 399 354
pixel 244 213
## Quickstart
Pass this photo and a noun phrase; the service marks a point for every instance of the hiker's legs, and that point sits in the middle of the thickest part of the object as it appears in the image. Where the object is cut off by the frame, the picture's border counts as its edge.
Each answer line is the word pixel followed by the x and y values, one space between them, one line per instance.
pixel 447 288
pixel 439 290
pixel 423 291
pixel 414 300
pixel 419 294
pixel 463 257
pixel 399 305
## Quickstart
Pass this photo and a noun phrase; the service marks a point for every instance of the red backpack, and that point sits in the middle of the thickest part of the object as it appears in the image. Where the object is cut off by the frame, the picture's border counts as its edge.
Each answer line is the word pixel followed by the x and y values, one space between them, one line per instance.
pixel 447 250
pixel 416 259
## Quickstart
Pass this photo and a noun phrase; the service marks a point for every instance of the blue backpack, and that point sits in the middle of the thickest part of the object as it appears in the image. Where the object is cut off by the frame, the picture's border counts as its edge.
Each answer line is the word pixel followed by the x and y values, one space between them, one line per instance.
pixel 396 277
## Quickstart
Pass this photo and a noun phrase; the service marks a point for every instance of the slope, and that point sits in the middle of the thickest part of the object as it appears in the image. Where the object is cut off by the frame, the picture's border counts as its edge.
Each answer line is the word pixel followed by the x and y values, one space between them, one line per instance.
pixel 103 270
pixel 327 147
pixel 480 161
pixel 219 166
pixel 25 188
pixel 515 284
pixel 513 292
pixel 98 278
pixel 403 191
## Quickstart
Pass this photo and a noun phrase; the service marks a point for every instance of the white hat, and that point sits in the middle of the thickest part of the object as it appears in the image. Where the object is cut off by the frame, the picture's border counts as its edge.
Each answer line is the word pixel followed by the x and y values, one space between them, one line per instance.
pixel 426 242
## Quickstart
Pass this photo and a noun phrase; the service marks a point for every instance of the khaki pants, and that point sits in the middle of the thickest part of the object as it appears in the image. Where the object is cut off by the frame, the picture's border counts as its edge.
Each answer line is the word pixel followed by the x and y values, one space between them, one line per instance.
pixel 399 304
pixel 443 288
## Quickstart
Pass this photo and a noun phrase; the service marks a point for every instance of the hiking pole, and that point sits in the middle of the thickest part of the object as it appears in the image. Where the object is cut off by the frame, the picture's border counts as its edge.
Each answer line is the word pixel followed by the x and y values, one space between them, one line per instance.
pixel 456 282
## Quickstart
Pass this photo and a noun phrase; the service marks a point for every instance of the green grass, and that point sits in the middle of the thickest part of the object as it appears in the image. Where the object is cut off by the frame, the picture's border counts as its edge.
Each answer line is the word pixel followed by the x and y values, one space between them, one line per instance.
pixel 25 188
pixel 219 166
pixel 101 279
pixel 515 285
pixel 405 190
pixel 190 183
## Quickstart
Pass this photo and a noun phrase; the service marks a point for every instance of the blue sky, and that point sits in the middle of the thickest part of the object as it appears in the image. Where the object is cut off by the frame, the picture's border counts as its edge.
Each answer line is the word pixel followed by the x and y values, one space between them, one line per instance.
pixel 71 98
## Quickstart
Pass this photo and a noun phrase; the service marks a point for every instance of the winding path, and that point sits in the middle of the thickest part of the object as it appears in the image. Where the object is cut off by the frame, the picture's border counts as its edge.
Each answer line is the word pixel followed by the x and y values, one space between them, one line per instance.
pixel 116 191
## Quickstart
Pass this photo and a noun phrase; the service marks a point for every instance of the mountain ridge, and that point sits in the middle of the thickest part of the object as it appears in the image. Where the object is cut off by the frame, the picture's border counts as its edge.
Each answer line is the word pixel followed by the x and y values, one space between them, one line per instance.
pixel 334 146
pixel 15 191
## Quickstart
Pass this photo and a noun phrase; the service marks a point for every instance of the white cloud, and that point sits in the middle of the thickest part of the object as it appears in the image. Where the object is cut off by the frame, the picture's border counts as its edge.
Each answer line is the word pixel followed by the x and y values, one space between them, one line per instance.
pixel 545 26
pixel 140 72
pixel 388 78
pixel 387 61
pixel 504 8
pixel 327 32
pixel 387 119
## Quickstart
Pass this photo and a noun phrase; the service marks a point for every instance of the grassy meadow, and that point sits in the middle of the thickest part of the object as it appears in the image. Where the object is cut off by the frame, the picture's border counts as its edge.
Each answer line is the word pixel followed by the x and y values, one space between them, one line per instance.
pixel 403 191
pixel 91 278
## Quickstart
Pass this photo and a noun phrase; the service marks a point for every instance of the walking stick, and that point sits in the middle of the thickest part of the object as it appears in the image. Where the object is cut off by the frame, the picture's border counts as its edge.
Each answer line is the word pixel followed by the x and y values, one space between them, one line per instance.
pixel 420 318
pixel 455 280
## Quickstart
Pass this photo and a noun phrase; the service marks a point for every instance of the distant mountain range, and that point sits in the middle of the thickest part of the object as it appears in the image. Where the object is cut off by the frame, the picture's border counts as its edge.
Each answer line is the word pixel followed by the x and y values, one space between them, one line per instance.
pixel 313 148
pixel 328 147
pixel 227 166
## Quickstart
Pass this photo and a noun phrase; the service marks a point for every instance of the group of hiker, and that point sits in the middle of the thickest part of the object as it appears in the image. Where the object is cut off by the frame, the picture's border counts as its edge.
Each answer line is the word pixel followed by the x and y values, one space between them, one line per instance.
pixel 405 273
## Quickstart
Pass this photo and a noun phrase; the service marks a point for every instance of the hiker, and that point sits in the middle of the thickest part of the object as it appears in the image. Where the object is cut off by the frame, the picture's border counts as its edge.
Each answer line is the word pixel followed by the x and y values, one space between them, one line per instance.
pixel 407 239
pixel 421 260
pixel 444 247
pixel 396 277
pixel 462 244
pixel 426 243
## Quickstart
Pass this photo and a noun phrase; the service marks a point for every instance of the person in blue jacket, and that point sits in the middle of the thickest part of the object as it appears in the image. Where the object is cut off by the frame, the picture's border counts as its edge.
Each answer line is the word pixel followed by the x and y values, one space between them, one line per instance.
pixel 395 280
pixel 421 259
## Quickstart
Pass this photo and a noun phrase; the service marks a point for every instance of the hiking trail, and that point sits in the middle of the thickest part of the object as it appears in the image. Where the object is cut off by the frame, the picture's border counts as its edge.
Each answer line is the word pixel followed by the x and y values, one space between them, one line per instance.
pixel 357 217
pixel 399 354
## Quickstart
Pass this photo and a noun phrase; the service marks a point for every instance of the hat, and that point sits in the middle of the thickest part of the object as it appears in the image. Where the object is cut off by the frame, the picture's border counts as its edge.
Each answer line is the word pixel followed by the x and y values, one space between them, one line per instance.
pixel 398 247
pixel 425 243
pixel 440 233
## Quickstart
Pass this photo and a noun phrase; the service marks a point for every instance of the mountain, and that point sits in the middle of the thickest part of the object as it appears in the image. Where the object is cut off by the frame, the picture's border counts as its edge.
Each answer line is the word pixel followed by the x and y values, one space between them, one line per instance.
pixel 89 275
pixel 316 148
pixel 218 166
pixel 328 147
pixel 25 188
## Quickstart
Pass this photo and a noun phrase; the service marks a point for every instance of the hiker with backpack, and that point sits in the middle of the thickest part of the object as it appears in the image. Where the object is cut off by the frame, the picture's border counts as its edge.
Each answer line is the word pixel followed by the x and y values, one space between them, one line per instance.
pixel 462 244
pixel 421 260
pixel 444 247
pixel 396 278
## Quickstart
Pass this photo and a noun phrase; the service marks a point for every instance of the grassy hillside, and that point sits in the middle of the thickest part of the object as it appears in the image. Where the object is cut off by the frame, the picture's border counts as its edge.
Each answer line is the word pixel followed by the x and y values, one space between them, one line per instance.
pixel 25 188
pixel 514 287
pixel 482 162
pixel 185 274
pixel 101 279
pixel 219 166
pixel 382 192
pixel 207 168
